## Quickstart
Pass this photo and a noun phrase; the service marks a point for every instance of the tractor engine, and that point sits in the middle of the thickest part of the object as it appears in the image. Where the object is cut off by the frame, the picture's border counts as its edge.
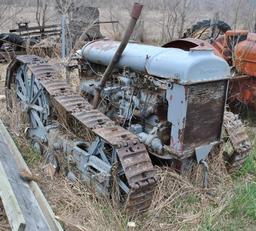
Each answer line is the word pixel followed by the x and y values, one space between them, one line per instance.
pixel 172 99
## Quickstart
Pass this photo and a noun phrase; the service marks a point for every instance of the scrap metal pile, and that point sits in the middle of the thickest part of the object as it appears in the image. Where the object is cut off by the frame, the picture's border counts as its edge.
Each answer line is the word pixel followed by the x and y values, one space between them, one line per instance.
pixel 82 24
pixel 17 41
pixel 160 102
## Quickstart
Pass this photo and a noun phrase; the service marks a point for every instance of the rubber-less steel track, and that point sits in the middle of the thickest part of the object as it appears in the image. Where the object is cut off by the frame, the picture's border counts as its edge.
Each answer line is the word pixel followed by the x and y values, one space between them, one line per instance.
pixel 239 139
pixel 132 155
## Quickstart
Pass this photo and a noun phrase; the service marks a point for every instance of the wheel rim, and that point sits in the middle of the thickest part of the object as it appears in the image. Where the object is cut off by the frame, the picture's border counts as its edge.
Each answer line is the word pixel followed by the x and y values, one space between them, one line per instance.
pixel 30 93
pixel 118 183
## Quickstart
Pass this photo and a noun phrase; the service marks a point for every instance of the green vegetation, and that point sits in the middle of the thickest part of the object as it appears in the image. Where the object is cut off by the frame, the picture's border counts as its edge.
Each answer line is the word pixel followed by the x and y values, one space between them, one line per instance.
pixel 30 155
pixel 243 204
pixel 249 166
pixel 238 210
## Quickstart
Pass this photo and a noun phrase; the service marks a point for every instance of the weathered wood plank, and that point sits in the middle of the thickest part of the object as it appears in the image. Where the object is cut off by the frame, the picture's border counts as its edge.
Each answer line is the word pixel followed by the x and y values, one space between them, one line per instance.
pixel 10 203
pixel 29 206
pixel 45 213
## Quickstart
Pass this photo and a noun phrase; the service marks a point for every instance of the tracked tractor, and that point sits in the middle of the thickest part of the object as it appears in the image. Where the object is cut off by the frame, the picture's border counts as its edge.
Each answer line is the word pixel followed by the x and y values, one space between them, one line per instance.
pixel 136 102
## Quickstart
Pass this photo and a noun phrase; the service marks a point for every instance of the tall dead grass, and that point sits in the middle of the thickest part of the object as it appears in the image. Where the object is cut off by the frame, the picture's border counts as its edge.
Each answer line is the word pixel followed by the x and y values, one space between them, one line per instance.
pixel 180 202
pixel 78 208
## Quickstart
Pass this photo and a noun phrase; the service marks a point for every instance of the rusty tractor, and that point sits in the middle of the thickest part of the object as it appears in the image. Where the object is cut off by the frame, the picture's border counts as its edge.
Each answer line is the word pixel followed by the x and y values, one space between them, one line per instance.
pixel 150 101
pixel 238 48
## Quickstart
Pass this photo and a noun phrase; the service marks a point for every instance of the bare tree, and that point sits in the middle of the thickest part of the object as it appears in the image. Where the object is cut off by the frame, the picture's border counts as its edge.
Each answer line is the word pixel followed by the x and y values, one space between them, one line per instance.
pixel 41 7
pixel 169 20
pixel 237 5
pixel 64 6
pixel 183 16
pixel 7 13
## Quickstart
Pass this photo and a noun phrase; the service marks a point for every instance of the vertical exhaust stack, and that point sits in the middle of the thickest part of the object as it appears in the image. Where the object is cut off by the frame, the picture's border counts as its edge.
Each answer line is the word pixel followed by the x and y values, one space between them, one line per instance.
pixel 135 14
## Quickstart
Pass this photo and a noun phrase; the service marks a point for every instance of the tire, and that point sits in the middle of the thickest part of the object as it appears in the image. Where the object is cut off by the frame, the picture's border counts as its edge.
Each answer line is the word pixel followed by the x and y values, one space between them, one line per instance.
pixel 204 25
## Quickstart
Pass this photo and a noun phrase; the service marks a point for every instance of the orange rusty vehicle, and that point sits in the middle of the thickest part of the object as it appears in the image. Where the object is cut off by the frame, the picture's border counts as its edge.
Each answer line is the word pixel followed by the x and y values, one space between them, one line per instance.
pixel 237 47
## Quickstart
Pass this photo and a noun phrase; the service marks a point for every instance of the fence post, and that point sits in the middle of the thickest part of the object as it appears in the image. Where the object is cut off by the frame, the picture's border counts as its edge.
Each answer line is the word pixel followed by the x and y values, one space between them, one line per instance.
pixel 63 37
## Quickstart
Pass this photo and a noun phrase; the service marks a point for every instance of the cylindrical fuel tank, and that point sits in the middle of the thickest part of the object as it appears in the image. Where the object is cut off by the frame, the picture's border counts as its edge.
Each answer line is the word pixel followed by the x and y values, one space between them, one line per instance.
pixel 198 64
pixel 245 55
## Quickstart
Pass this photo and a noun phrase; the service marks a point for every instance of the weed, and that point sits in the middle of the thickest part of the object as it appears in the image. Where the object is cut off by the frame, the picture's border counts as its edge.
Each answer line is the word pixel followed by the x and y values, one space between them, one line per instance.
pixel 249 166
pixel 244 202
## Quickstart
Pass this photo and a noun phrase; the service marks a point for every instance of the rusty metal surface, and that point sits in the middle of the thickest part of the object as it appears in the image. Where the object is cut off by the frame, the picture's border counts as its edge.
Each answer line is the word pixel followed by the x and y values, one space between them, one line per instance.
pixel 206 103
pixel 242 90
pixel 245 56
pixel 236 32
pixel 189 43
pixel 140 175
pixel 197 118
pixel 136 11
pixel 239 139
pixel 133 155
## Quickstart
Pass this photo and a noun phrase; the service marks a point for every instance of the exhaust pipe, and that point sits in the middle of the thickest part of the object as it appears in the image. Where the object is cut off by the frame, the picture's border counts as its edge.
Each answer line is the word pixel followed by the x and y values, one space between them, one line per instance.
pixel 135 14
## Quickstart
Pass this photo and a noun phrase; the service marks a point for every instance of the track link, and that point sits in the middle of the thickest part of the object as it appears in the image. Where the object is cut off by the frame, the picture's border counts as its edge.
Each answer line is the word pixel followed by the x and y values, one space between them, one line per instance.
pixel 132 155
pixel 239 140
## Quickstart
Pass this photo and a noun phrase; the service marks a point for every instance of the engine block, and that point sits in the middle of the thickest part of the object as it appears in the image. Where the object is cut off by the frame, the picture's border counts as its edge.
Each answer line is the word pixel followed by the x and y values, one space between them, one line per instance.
pixel 173 100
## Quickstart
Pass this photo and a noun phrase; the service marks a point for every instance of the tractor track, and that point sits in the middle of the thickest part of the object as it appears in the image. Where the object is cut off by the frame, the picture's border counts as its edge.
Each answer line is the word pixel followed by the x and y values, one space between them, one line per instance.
pixel 132 154
pixel 239 139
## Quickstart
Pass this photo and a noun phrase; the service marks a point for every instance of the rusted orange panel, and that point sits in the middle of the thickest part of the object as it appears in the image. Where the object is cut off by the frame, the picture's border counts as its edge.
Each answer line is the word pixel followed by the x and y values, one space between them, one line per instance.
pixel 236 32
pixel 245 55
pixel 188 43
pixel 243 90
pixel 220 48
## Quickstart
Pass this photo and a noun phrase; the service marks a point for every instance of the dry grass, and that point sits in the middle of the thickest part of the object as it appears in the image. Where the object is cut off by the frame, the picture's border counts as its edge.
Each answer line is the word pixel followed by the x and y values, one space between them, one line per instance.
pixel 180 202
pixel 48 47
pixel 77 207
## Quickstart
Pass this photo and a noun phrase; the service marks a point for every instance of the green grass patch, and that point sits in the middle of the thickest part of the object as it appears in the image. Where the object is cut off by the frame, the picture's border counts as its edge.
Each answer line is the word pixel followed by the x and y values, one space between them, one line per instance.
pixel 239 214
pixel 244 202
pixel 31 156
pixel 249 166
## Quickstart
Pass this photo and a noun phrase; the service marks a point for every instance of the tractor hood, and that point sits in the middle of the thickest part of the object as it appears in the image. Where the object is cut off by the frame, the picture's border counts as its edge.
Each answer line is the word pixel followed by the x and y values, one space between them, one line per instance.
pixel 198 64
